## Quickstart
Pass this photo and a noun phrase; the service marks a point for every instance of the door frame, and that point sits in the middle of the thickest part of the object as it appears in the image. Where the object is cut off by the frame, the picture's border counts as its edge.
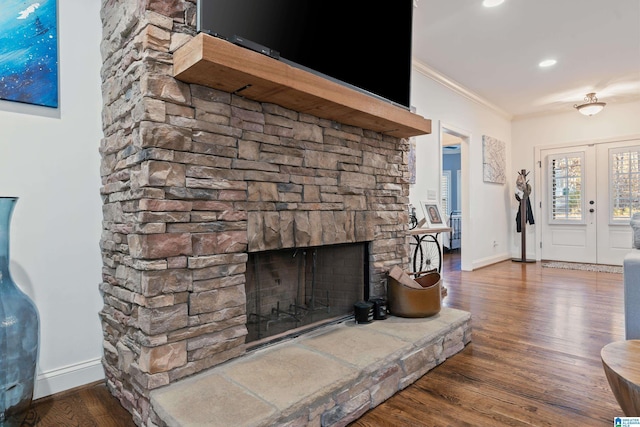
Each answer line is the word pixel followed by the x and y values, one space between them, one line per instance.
pixel 537 175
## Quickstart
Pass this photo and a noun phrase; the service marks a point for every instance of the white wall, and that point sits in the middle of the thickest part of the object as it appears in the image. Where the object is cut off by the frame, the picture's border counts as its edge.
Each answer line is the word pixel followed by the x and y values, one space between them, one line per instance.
pixel 616 121
pixel 487 216
pixel 49 159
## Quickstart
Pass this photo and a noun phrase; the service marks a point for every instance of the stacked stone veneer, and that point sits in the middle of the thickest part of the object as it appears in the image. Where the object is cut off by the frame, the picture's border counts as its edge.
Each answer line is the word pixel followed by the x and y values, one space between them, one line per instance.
pixel 193 179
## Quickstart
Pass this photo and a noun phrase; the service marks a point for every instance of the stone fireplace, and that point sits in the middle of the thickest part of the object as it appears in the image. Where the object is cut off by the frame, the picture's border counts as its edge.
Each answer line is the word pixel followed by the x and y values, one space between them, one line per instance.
pixel 196 181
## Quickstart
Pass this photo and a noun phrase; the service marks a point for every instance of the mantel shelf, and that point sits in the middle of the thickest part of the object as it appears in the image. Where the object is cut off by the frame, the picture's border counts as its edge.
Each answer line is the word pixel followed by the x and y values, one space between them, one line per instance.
pixel 216 63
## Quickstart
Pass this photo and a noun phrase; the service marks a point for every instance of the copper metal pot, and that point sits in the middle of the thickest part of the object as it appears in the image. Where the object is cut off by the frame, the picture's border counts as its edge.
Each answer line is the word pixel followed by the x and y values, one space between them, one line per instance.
pixel 405 301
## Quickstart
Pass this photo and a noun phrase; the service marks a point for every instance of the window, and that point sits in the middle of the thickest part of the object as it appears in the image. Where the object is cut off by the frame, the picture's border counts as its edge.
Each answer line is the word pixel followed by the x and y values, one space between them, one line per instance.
pixel 445 191
pixel 566 198
pixel 624 191
pixel 458 190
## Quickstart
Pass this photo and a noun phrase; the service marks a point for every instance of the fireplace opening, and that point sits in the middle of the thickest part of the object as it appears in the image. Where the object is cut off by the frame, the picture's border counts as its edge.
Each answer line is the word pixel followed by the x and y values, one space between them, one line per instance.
pixel 292 290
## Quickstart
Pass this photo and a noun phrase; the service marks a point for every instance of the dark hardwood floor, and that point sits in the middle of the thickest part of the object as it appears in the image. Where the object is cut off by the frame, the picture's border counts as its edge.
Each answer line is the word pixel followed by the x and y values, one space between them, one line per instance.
pixel 88 406
pixel 534 359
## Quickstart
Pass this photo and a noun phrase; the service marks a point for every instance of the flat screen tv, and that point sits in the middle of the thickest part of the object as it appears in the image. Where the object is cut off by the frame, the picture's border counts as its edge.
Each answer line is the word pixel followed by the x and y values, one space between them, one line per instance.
pixel 364 45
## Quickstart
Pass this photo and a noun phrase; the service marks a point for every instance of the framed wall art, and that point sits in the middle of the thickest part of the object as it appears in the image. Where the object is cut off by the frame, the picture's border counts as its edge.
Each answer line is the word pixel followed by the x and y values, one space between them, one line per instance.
pixel 412 160
pixel 494 160
pixel 29 52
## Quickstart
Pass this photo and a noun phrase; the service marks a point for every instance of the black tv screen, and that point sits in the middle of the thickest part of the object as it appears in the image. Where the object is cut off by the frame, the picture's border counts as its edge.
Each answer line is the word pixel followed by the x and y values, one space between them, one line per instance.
pixel 364 45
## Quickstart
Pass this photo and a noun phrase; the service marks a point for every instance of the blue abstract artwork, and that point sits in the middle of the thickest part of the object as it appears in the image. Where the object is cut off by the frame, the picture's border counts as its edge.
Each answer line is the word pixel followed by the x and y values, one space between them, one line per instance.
pixel 29 52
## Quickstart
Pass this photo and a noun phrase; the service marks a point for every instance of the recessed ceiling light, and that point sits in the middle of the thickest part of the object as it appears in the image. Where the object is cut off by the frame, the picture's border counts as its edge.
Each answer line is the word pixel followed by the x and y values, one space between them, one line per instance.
pixel 492 3
pixel 547 63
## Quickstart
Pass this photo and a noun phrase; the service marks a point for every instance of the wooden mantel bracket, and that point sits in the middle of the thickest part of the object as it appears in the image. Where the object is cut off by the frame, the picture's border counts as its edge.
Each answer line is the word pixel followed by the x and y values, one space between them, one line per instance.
pixel 218 64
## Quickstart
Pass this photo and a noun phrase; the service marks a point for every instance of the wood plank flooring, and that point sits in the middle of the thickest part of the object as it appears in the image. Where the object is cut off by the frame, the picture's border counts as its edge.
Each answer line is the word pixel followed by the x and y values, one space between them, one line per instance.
pixel 534 359
pixel 88 406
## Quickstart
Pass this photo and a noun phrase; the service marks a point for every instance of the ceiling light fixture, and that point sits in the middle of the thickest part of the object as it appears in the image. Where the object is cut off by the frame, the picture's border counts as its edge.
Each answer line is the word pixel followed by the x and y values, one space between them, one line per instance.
pixel 492 3
pixel 547 63
pixel 591 105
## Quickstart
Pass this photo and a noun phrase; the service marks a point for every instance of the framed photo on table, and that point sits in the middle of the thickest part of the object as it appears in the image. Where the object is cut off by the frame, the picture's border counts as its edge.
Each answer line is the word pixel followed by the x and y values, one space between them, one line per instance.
pixel 433 214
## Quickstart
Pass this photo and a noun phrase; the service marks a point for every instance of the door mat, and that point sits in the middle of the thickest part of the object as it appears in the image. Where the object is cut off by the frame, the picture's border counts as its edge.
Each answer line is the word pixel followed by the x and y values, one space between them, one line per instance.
pixel 601 268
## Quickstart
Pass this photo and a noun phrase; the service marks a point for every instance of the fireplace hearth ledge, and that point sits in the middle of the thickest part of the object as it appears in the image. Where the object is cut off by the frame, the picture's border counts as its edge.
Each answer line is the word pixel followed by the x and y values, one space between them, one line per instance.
pixel 328 377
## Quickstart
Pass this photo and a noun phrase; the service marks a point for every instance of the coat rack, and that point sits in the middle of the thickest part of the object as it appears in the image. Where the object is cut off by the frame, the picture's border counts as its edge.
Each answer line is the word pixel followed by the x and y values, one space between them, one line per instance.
pixel 525 214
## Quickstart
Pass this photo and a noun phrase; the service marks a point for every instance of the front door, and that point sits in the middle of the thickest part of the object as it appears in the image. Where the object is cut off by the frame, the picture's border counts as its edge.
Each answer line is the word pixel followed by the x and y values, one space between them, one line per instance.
pixel 590 193
pixel 568 204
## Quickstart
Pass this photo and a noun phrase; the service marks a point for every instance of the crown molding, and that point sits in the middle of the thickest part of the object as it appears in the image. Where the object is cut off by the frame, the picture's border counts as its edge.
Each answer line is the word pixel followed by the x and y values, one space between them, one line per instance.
pixel 456 87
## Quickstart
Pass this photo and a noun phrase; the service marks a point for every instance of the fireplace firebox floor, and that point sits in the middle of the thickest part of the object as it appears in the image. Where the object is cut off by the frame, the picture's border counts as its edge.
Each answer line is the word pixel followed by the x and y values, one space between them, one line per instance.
pixel 328 377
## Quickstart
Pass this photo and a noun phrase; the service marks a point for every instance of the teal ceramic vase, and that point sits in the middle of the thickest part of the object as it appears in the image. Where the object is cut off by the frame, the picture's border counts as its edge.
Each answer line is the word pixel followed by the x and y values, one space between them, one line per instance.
pixel 19 334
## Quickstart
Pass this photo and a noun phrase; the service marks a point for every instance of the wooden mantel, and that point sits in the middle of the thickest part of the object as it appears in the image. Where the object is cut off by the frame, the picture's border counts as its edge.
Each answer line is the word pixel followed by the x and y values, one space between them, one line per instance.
pixel 216 63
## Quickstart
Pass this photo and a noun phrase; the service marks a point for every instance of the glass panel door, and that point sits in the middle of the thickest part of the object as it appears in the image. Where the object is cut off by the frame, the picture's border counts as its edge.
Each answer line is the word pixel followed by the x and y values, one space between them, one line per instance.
pixel 618 198
pixel 568 223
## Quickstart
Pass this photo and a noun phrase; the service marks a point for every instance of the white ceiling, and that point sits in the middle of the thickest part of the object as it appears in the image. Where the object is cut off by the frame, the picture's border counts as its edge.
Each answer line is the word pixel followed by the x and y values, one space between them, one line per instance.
pixel 493 53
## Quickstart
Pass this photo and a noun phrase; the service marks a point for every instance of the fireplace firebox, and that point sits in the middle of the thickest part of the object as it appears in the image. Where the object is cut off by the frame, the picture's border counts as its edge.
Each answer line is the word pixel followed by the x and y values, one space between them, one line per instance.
pixel 292 290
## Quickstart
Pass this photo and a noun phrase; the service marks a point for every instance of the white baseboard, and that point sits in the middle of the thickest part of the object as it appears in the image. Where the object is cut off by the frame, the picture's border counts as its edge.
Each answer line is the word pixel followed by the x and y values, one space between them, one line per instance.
pixel 490 260
pixel 61 379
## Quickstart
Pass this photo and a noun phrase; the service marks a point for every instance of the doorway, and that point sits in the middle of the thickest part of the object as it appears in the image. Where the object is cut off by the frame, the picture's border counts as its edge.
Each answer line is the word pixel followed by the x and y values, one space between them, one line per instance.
pixel 454 189
pixel 589 193
pixel 450 191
